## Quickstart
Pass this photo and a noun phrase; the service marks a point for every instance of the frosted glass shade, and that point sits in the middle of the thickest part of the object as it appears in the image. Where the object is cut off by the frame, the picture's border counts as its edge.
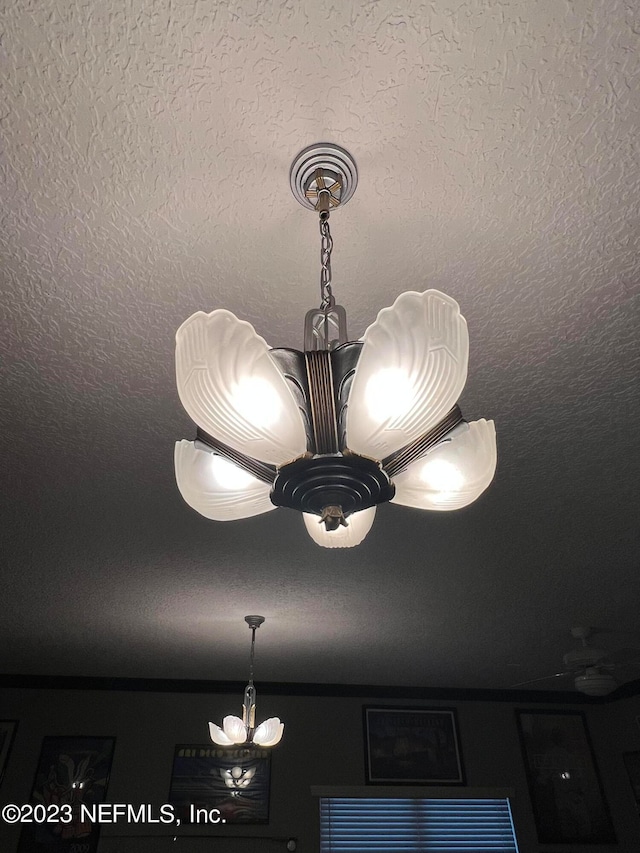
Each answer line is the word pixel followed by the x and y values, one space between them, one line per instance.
pixel 215 487
pixel 359 524
pixel 218 736
pixel 453 474
pixel 234 728
pixel 268 733
pixel 234 731
pixel 411 371
pixel 232 388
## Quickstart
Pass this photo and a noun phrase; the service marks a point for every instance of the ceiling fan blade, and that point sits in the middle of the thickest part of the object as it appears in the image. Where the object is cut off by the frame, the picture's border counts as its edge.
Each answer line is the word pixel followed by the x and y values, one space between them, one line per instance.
pixel 622 656
pixel 544 678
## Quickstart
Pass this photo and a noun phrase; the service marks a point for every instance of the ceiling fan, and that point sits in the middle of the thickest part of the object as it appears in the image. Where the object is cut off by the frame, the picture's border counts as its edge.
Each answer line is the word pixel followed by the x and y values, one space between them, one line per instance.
pixel 591 668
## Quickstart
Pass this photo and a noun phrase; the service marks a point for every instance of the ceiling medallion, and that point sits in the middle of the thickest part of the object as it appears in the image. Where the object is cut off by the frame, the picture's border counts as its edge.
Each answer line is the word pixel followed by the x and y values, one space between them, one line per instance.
pixel 342 426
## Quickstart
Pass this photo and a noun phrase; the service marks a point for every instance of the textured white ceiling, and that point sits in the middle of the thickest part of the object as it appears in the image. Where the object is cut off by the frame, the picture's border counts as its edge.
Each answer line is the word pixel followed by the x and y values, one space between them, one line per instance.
pixel 146 149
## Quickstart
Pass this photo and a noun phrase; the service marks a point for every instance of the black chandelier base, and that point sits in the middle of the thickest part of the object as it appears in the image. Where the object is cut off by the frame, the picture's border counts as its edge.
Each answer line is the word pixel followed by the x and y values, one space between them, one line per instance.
pixel 332 486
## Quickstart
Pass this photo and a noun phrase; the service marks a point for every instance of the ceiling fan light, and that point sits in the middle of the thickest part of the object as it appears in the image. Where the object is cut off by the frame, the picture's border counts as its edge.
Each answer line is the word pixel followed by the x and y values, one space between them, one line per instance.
pixel 595 683
pixel 268 733
pixel 232 388
pixel 411 370
pixel 358 525
pixel 215 487
pixel 453 474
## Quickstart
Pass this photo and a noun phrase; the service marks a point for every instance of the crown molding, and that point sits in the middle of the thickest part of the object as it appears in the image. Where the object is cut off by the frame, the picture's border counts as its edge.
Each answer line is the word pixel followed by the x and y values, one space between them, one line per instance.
pixel 280 688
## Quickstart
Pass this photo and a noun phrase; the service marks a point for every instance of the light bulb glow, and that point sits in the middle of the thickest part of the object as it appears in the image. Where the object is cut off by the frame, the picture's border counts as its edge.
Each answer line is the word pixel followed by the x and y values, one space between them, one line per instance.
pixel 257 401
pixel 269 733
pixel 229 476
pixel 442 476
pixel 453 474
pixel 218 736
pixel 216 487
pixel 234 729
pixel 233 389
pixel 389 394
pixel 411 370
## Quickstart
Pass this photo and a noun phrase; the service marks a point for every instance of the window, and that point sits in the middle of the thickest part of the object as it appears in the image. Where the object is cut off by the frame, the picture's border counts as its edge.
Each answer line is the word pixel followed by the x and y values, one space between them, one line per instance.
pixel 402 825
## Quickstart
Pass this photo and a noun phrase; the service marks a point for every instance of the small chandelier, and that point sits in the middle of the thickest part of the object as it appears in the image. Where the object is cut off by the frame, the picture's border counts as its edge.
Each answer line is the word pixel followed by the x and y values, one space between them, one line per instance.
pixel 244 732
pixel 343 426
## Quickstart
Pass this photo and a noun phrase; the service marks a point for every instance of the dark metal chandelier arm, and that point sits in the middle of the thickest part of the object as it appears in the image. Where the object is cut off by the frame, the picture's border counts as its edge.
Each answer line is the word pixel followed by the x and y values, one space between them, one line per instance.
pixel 260 470
pixel 322 401
pixel 401 459
pixel 320 381
pixel 344 360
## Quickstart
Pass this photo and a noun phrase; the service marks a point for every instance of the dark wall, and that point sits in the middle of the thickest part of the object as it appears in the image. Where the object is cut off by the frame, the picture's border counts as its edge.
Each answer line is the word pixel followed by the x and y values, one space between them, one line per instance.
pixel 322 745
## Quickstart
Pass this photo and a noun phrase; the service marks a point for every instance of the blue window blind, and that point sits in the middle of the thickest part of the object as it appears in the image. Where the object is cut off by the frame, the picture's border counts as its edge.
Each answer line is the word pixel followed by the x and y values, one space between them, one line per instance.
pixel 389 825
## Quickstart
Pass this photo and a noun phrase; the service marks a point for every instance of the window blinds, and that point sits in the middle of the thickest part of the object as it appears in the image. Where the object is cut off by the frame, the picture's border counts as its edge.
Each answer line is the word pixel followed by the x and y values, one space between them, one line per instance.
pixel 389 825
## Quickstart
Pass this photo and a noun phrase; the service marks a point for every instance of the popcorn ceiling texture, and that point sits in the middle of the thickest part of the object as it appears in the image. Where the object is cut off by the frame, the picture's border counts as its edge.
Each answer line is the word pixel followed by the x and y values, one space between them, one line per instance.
pixel 146 148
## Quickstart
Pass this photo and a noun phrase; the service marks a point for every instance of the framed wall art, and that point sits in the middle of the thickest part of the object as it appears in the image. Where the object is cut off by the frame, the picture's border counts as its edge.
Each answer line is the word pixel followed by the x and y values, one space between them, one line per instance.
pixel 71 770
pixel 234 780
pixel 412 746
pixel 7 734
pixel 632 763
pixel 566 794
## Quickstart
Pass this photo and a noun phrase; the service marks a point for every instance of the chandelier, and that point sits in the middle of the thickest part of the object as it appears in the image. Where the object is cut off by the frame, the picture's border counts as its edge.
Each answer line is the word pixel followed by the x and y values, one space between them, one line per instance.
pixel 244 732
pixel 343 426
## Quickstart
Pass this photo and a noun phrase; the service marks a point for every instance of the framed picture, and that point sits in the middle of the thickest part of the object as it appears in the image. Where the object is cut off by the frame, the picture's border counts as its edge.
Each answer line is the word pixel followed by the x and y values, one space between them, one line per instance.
pixel 233 780
pixel 412 746
pixel 568 802
pixel 632 763
pixel 7 734
pixel 71 770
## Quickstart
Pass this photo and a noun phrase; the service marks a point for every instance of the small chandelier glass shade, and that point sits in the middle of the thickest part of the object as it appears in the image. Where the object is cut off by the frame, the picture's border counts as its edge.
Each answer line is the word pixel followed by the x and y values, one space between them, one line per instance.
pixel 342 426
pixel 244 732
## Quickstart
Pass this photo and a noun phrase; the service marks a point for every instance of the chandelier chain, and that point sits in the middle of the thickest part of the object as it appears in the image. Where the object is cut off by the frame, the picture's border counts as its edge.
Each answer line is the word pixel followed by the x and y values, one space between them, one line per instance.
pixel 327 300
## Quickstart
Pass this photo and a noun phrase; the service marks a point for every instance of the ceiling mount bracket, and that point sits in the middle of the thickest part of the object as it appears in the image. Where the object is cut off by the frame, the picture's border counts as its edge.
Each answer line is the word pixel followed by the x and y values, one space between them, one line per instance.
pixel 254 621
pixel 323 173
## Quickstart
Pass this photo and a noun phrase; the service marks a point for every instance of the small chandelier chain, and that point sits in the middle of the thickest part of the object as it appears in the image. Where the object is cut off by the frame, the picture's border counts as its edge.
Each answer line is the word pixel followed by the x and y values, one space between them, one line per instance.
pixel 327 300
